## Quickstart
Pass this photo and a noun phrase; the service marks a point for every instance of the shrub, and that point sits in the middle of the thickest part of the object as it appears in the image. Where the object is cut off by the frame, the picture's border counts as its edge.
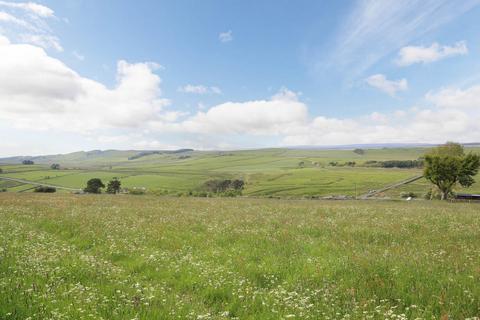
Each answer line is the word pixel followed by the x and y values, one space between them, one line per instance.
pixel 395 163
pixel 409 194
pixel 45 189
pixel 3 190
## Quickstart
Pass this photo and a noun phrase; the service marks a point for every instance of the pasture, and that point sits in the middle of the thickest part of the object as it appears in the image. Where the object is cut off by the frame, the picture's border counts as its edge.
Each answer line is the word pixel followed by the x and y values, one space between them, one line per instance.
pixel 143 257
pixel 267 172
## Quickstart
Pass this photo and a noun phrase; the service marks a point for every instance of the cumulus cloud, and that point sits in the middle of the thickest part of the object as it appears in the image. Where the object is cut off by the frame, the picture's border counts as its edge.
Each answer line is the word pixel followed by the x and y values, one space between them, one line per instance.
pixel 256 117
pixel 411 54
pixel 225 36
pixel 199 89
pixel 391 87
pixel 454 98
pixel 38 91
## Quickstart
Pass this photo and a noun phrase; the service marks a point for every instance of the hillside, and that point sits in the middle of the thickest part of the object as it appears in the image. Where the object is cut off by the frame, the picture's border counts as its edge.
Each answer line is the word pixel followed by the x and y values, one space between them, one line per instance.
pixel 267 172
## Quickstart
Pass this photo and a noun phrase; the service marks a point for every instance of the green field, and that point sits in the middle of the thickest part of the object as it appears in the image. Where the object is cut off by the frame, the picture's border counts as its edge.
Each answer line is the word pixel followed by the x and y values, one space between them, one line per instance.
pixel 267 172
pixel 129 257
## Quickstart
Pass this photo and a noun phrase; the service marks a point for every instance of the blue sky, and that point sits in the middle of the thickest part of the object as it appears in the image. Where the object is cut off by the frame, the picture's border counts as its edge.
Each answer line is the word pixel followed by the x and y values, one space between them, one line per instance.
pixel 81 74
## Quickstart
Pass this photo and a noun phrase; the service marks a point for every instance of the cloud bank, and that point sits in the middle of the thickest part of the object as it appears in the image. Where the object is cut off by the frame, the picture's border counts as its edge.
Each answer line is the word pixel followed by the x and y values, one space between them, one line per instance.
pixel 39 92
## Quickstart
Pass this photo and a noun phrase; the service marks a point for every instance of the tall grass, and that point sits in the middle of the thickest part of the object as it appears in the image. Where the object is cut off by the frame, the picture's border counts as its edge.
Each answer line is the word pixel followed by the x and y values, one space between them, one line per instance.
pixel 124 257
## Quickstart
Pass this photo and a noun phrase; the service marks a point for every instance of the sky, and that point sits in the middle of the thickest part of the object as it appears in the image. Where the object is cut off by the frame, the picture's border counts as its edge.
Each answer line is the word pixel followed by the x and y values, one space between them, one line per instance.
pixel 86 74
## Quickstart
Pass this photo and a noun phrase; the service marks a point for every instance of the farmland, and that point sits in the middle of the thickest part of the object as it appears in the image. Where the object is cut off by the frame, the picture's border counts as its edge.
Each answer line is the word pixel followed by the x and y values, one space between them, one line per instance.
pixel 128 257
pixel 269 172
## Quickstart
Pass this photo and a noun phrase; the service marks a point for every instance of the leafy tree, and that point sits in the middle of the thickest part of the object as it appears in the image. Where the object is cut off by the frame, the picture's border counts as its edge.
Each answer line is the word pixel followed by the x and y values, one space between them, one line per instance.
pixel 28 162
pixel 238 184
pixel 1 170
pixel 448 165
pixel 55 166
pixel 94 186
pixel 113 186
pixel 359 151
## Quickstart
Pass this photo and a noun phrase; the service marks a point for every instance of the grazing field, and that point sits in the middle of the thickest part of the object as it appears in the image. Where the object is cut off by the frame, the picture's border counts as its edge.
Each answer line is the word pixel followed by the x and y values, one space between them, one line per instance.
pixel 125 257
pixel 282 173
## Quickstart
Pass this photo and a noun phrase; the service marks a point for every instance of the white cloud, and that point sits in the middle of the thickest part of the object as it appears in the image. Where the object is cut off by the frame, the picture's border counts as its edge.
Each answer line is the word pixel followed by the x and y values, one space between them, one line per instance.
pixel 199 89
pixel 454 98
pixel 26 22
pixel 225 36
pixel 6 17
pixel 257 117
pixel 374 29
pixel 31 7
pixel 46 41
pixel 40 92
pixel 391 87
pixel 411 54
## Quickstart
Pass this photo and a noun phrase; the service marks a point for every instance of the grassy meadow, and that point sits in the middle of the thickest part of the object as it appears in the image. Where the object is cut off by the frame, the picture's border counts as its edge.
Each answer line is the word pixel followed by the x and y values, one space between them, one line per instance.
pixel 68 256
pixel 267 172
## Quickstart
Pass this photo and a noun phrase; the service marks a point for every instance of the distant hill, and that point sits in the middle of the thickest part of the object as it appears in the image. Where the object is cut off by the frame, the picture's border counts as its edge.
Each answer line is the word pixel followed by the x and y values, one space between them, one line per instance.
pixel 375 146
pixel 96 156
pixel 106 158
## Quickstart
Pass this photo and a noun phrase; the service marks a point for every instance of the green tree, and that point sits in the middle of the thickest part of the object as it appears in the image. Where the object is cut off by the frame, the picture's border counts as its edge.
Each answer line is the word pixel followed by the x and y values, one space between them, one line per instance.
pixel 94 186
pixel 113 186
pixel 55 166
pixel 448 165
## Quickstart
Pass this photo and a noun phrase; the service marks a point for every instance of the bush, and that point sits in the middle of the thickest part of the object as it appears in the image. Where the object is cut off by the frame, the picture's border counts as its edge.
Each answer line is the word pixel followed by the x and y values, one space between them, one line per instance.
pixel 409 194
pixel 28 162
pixel 359 151
pixel 45 189
pixel 3 190
pixel 395 163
